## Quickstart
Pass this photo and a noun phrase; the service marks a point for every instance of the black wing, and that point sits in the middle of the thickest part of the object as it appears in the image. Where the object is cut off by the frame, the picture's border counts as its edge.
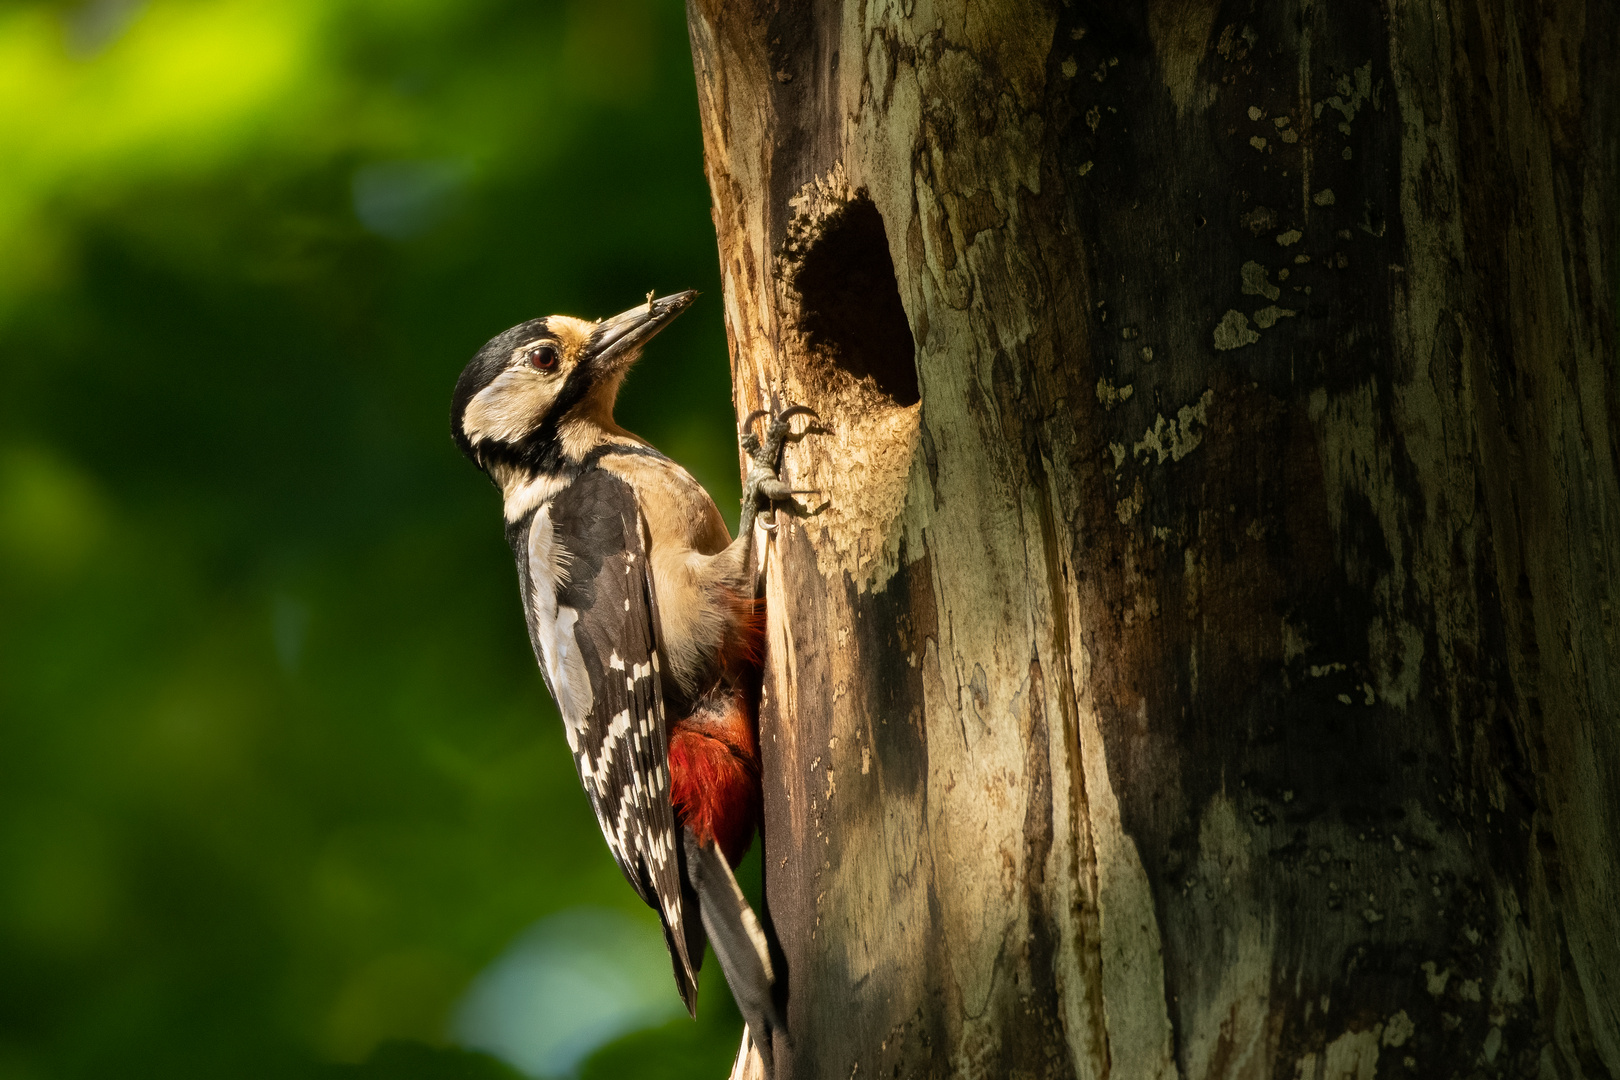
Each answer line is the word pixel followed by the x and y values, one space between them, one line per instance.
pixel 593 618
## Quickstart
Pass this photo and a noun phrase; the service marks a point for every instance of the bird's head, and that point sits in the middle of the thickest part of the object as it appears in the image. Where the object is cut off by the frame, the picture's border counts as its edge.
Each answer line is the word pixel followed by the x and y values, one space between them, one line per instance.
pixel 542 393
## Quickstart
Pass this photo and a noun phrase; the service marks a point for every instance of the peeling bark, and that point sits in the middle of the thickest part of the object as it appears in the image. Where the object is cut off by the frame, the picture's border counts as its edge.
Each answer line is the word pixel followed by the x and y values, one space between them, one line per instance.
pixel 1205 665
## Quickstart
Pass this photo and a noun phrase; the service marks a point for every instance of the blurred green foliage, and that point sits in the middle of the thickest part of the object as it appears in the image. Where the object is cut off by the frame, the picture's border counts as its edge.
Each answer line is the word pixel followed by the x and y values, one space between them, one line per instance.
pixel 278 775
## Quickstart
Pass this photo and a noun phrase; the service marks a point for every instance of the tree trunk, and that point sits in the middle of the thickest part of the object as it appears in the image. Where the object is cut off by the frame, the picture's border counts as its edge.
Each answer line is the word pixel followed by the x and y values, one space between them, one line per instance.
pixel 1206 662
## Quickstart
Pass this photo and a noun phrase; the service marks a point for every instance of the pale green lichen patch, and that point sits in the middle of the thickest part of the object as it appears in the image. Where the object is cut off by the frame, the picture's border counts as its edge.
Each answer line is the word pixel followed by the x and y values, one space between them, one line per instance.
pixel 1352 1056
pixel 1233 332
pixel 1267 317
pixel 1351 96
pixel 1295 642
pixel 1130 505
pixel 1292 236
pixel 1118 450
pixel 1070 68
pixel 1398 1028
pixel 1257 142
pixel 1323 197
pixel 1256 281
pixel 1255 113
pixel 1173 440
pixel 1109 395
pixel 1259 219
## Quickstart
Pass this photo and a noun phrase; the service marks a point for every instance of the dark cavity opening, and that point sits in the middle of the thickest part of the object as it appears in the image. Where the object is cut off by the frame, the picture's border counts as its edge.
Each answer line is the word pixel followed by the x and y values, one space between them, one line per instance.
pixel 850 302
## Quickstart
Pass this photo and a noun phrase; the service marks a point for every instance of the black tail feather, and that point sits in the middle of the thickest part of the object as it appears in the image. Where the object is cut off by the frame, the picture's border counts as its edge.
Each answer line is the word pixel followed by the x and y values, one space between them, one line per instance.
pixel 686 956
pixel 686 982
pixel 739 944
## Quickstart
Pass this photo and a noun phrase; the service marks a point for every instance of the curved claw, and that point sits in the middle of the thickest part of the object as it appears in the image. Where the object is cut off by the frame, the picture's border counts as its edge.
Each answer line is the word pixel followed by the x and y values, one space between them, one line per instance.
pixel 796 410
pixel 780 418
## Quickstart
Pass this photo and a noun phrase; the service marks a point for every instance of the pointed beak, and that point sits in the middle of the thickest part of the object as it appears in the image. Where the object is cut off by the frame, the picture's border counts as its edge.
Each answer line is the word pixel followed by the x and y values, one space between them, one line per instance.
pixel 616 341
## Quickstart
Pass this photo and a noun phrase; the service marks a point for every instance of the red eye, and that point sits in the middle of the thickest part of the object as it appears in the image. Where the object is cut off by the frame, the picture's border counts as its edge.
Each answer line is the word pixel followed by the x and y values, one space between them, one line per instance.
pixel 543 358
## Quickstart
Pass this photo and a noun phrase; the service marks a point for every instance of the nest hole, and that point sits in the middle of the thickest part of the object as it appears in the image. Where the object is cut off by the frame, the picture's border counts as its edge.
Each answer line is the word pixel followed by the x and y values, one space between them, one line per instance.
pixel 850 306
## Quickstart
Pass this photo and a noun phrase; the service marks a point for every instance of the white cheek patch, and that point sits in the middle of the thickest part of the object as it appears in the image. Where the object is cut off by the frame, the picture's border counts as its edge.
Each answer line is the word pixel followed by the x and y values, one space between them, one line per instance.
pixel 554 627
pixel 507 408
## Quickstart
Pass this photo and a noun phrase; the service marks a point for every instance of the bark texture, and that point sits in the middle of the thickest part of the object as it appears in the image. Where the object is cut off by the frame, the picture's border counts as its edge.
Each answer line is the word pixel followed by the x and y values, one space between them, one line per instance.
pixel 1206 663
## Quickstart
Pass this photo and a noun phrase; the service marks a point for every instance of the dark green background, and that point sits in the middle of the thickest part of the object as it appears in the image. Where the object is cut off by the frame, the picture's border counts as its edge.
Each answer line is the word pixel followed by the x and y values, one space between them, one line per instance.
pixel 278 775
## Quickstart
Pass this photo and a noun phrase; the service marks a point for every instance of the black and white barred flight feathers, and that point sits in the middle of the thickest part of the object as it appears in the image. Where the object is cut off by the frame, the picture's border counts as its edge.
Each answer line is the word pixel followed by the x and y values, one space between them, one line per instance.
pixel 593 617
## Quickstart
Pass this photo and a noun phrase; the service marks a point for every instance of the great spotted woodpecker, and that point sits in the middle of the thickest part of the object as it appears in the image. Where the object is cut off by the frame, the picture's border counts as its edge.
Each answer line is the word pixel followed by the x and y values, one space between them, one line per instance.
pixel 642 613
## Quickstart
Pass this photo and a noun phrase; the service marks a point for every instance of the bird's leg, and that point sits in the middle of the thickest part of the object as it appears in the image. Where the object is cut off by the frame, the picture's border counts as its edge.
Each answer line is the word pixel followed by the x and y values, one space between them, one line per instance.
pixel 763 487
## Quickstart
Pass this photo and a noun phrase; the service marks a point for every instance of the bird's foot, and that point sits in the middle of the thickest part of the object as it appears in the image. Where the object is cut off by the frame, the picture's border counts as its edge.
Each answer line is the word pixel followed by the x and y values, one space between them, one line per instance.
pixel 763 488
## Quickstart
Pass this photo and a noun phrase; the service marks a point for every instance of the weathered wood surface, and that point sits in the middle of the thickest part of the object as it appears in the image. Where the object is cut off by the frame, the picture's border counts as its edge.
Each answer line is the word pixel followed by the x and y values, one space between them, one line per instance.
pixel 1214 673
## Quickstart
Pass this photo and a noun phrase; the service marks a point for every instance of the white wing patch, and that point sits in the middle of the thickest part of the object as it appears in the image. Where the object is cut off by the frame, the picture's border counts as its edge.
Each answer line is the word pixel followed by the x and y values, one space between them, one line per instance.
pixel 553 629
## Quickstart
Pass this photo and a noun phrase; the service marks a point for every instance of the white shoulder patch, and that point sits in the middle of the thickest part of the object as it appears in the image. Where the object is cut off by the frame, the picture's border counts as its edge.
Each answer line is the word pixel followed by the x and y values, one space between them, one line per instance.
pixel 553 627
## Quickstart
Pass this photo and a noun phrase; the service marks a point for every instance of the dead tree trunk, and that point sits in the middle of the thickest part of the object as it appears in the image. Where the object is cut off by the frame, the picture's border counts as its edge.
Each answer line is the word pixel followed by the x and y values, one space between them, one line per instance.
pixel 1207 665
